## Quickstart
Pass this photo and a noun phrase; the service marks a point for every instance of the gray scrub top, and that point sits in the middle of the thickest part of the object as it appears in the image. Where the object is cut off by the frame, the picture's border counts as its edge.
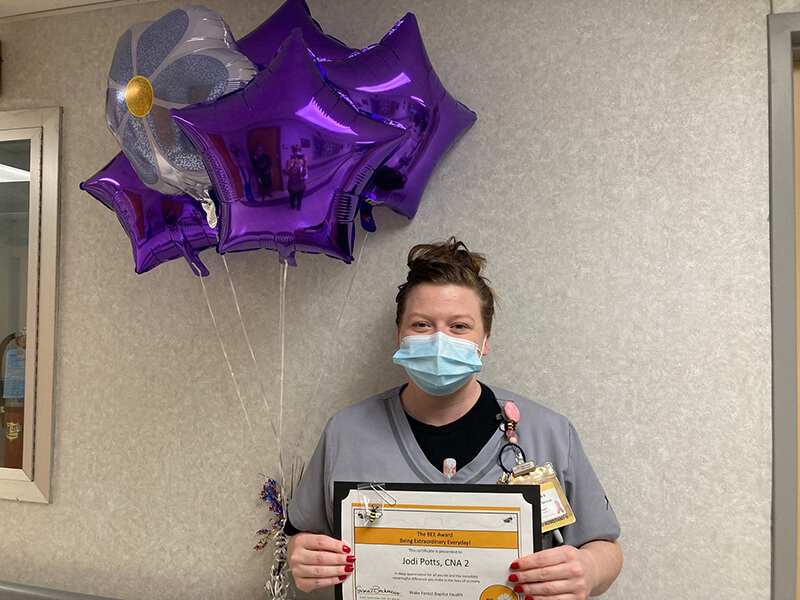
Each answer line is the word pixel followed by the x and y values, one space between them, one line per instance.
pixel 372 441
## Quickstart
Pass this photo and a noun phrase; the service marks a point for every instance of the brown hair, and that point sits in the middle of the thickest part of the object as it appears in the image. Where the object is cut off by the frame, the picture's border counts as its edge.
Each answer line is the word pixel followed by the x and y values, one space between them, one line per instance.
pixel 448 263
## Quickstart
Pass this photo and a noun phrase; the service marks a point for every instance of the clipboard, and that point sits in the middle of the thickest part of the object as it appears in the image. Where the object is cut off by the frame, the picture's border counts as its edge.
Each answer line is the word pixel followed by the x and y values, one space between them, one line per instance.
pixel 366 518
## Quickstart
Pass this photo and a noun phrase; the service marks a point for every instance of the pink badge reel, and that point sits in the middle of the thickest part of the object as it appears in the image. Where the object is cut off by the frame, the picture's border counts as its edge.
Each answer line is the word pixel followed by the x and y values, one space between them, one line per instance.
pixel 511 416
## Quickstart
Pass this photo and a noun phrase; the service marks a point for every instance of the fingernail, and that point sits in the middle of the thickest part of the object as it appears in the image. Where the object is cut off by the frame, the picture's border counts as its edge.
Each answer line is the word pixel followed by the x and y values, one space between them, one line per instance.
pixel 518 589
pixel 346 549
pixel 513 577
pixel 515 565
pixel 348 568
pixel 528 598
pixel 351 559
pixel 342 577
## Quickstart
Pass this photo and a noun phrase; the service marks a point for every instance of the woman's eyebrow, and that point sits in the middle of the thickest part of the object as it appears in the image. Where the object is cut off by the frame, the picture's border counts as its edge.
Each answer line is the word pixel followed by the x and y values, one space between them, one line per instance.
pixel 416 315
pixel 464 317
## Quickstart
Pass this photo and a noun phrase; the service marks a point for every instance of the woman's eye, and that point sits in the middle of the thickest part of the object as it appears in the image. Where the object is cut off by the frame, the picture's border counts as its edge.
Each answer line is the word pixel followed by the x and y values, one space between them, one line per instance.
pixel 419 325
pixel 460 327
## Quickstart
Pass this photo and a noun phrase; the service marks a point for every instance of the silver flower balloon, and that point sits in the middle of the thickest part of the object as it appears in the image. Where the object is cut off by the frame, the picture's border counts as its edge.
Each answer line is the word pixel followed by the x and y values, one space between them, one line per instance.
pixel 187 56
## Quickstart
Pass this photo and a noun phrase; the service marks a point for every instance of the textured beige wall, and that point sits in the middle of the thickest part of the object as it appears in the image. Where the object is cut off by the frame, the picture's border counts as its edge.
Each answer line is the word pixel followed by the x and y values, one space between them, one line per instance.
pixel 617 178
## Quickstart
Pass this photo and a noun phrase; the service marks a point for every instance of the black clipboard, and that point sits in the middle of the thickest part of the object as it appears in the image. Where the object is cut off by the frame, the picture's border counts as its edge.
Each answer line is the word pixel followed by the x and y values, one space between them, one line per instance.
pixel 530 493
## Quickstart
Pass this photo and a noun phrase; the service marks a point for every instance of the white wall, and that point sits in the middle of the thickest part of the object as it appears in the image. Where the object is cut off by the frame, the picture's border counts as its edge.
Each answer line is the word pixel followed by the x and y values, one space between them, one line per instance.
pixel 617 179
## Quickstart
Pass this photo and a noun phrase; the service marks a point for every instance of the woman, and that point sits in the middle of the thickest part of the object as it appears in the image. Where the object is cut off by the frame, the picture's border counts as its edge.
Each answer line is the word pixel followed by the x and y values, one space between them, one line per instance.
pixel 297 172
pixel 444 317
pixel 262 165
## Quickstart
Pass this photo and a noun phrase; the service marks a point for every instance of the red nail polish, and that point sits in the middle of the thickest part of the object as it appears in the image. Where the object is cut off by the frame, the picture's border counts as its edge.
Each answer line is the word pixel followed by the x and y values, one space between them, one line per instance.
pixel 346 549
pixel 351 558
pixel 349 568
pixel 513 577
pixel 528 598
pixel 342 577
pixel 515 565
pixel 518 589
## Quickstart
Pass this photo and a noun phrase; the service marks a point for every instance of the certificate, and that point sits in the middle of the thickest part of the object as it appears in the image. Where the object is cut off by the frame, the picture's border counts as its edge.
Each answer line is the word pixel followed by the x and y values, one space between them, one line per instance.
pixel 436 541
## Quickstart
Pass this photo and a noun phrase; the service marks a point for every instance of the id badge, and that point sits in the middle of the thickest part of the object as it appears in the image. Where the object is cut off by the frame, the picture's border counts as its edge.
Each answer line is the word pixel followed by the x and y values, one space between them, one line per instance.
pixel 556 511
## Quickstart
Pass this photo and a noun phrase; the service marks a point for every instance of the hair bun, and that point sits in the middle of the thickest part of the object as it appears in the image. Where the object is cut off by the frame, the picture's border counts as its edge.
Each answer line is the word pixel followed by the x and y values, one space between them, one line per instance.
pixel 450 252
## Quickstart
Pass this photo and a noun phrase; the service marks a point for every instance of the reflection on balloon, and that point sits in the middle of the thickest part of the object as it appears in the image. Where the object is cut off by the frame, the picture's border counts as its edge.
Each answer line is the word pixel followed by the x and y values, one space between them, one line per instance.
pixel 394 79
pixel 187 56
pixel 160 227
pixel 289 157
pixel 322 134
pixel 262 44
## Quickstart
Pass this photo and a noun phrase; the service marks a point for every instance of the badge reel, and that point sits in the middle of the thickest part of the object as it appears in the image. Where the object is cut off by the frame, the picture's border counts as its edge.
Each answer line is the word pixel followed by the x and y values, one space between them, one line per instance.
pixel 556 511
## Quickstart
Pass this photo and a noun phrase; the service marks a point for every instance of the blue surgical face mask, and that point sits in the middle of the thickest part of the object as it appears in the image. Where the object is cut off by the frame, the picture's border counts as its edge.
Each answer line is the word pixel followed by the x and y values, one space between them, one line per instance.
pixel 438 363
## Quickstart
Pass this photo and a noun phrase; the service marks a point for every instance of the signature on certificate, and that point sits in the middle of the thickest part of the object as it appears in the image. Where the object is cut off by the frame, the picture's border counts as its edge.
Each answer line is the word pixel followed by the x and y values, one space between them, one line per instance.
pixel 376 589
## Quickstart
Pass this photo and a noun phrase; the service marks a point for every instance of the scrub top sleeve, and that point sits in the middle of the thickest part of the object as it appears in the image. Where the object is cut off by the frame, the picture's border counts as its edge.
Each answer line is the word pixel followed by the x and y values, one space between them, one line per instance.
pixel 595 519
pixel 308 507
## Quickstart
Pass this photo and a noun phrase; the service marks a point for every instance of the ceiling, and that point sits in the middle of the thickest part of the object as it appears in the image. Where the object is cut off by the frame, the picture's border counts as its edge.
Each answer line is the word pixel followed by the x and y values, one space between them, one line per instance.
pixel 36 8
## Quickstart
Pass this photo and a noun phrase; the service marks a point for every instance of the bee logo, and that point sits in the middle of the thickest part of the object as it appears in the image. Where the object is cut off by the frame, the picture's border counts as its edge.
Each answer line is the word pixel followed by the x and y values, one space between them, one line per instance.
pixel 373 514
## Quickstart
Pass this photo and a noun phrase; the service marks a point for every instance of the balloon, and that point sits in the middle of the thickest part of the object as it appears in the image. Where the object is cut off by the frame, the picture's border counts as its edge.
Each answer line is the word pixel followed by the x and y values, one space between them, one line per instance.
pixel 187 56
pixel 261 44
pixel 160 227
pixel 289 157
pixel 394 79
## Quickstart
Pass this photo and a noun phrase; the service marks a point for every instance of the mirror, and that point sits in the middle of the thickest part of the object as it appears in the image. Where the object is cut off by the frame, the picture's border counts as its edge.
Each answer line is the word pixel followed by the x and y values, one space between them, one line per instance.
pixel 29 164
pixel 15 179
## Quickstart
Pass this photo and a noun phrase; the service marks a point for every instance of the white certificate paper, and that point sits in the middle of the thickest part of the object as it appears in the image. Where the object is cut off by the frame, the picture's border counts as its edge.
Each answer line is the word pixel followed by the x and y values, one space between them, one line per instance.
pixel 437 541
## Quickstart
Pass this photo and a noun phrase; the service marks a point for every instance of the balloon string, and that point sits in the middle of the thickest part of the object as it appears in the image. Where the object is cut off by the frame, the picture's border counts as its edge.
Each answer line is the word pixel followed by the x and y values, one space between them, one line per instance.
pixel 282 328
pixel 338 320
pixel 227 360
pixel 249 345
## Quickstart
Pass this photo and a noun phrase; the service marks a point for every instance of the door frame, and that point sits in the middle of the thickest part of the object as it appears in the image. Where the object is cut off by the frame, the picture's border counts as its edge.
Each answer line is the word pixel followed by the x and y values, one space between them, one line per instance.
pixel 783 32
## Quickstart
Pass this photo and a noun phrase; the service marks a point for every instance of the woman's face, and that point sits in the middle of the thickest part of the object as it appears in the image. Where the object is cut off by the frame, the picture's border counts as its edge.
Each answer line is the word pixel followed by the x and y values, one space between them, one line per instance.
pixel 451 309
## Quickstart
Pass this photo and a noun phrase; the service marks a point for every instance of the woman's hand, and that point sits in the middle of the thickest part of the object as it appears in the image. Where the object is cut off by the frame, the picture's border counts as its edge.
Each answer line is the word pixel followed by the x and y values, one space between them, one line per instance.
pixel 566 572
pixel 318 561
pixel 561 572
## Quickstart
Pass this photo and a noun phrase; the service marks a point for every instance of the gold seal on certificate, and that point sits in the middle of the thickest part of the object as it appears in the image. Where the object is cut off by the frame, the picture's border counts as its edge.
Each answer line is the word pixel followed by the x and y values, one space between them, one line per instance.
pixel 436 541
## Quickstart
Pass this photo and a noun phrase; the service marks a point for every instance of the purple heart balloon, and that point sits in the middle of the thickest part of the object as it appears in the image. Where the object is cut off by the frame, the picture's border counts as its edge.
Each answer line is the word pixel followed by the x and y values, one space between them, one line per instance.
pixel 394 79
pixel 262 44
pixel 289 157
pixel 160 227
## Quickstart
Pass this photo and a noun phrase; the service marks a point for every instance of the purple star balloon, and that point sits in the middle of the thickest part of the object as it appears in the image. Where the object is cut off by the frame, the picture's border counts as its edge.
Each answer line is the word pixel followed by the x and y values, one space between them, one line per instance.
pixel 394 79
pixel 289 157
pixel 161 228
pixel 261 44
